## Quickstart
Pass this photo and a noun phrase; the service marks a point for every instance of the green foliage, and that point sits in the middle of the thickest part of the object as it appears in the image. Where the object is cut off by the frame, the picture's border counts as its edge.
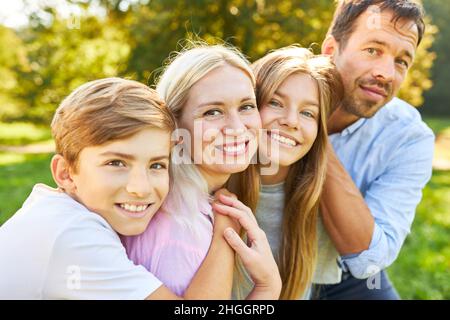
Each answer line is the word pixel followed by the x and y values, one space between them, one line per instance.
pixel 418 78
pixel 438 96
pixel 62 57
pixel 20 133
pixel 134 38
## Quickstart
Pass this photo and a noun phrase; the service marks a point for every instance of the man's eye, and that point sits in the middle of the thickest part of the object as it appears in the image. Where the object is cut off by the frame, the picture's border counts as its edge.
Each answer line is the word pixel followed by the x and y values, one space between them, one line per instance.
pixel 158 166
pixel 213 112
pixel 116 163
pixel 403 63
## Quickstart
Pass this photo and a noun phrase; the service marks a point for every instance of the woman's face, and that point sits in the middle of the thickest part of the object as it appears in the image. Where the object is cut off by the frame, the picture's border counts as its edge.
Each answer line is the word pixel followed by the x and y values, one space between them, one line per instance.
pixel 223 121
pixel 290 119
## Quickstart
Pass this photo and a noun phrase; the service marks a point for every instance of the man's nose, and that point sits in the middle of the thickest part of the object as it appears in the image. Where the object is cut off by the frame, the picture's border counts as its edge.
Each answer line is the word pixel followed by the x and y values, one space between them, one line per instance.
pixel 384 70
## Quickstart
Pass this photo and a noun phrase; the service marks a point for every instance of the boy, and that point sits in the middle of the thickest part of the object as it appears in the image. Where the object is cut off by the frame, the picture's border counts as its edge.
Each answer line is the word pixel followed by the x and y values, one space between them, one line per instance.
pixel 111 166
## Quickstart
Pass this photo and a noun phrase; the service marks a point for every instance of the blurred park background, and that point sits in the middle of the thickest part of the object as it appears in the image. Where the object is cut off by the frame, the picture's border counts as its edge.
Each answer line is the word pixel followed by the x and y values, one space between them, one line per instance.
pixel 48 48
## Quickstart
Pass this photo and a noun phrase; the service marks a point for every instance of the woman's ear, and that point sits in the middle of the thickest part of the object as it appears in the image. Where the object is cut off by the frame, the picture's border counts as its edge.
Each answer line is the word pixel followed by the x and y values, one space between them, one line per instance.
pixel 62 174
pixel 329 46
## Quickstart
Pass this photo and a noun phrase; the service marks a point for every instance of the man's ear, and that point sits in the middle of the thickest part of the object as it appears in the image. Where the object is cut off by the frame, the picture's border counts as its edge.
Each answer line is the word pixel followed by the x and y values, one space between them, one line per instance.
pixel 62 174
pixel 330 46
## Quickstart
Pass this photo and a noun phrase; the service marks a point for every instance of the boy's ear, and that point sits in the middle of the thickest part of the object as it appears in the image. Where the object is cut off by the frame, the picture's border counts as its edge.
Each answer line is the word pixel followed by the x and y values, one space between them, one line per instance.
pixel 330 46
pixel 62 174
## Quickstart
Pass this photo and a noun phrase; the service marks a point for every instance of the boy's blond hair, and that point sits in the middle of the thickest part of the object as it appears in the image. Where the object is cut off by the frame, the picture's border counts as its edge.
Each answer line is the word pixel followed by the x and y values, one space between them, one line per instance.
pixel 105 110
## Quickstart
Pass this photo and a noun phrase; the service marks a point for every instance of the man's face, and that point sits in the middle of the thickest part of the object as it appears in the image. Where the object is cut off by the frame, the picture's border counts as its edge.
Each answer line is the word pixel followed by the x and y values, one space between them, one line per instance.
pixel 374 61
pixel 125 181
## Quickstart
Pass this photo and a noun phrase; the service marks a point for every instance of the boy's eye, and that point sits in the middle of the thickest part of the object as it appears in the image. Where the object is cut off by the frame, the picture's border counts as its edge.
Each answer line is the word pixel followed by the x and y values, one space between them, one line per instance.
pixel 212 113
pixel 372 51
pixel 158 166
pixel 116 163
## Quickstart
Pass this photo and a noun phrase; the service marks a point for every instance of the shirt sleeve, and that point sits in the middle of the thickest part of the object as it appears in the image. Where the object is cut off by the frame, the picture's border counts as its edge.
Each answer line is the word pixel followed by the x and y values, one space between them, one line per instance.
pixel 392 199
pixel 89 262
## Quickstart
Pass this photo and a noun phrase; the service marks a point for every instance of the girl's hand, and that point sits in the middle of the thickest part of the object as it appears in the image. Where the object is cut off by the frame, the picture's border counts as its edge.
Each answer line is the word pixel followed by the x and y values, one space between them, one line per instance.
pixel 256 257
pixel 221 222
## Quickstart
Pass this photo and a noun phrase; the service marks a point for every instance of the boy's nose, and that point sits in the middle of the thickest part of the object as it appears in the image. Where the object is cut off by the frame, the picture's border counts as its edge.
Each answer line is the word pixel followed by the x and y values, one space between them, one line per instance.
pixel 139 185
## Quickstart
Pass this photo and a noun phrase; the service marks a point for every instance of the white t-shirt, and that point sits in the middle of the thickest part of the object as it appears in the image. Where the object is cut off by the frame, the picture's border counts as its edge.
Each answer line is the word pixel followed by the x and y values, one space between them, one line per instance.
pixel 55 248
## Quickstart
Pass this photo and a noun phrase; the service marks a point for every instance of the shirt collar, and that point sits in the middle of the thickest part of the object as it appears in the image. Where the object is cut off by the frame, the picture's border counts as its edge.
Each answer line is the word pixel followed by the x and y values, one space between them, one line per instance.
pixel 353 127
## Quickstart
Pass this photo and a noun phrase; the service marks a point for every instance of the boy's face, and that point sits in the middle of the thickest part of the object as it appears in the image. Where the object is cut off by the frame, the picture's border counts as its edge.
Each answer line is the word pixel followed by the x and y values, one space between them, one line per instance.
pixel 125 181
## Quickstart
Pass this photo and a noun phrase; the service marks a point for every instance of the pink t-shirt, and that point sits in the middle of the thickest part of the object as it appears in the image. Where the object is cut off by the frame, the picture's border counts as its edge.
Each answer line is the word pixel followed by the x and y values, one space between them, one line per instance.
pixel 169 250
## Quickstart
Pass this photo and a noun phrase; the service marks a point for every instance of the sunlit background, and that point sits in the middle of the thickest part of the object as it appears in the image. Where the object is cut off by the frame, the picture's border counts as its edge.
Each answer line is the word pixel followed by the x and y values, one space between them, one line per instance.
pixel 48 48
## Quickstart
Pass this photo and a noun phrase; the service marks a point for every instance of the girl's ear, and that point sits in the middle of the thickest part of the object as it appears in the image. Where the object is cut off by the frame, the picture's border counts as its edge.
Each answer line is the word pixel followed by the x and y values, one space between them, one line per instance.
pixel 330 46
pixel 62 174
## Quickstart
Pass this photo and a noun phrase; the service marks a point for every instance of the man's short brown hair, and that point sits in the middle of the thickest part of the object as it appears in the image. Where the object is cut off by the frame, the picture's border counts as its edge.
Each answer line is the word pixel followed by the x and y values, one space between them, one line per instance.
pixel 348 11
pixel 105 110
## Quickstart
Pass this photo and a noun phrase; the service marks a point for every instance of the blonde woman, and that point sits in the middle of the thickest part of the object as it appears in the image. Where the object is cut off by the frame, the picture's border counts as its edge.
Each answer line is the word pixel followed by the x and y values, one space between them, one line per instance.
pixel 294 90
pixel 210 90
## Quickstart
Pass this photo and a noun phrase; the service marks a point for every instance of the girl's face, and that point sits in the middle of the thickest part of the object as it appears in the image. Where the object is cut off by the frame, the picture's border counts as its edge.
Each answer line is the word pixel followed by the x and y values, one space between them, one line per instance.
pixel 290 119
pixel 223 121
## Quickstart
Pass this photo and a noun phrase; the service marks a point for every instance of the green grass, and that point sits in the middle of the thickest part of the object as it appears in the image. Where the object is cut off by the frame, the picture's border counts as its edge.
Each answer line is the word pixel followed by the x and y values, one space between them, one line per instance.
pixel 18 174
pixel 20 133
pixel 438 125
pixel 422 270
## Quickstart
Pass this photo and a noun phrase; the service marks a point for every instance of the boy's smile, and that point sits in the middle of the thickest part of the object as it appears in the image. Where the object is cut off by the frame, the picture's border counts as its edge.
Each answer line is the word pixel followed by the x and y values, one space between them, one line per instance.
pixel 125 181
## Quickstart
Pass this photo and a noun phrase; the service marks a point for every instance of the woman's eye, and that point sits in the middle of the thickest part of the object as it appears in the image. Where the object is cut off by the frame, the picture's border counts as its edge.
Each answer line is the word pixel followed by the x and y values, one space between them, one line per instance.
pixel 248 107
pixel 213 112
pixel 116 163
pixel 275 103
pixel 158 166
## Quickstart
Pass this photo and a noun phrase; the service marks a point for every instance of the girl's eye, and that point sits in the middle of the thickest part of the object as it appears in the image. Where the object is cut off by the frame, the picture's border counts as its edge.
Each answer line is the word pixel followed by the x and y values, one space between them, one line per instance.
pixel 158 166
pixel 248 107
pixel 308 114
pixel 116 163
pixel 275 103
pixel 212 113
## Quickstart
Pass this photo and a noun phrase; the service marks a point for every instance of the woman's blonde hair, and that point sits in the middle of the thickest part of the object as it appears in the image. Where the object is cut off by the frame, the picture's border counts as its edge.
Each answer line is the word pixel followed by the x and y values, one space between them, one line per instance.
pixel 183 71
pixel 298 250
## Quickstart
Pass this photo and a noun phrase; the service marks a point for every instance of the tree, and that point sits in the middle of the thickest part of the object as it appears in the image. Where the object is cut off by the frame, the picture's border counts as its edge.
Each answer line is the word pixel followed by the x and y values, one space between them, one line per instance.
pixel 134 38
pixel 437 98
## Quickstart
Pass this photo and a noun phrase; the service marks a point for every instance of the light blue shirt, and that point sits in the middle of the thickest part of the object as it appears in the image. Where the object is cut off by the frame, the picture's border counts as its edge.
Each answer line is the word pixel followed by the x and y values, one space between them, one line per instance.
pixel 389 157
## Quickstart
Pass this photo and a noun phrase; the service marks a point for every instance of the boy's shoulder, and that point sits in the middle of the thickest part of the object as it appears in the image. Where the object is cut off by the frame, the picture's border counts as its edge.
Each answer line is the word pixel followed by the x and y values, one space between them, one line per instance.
pixel 49 212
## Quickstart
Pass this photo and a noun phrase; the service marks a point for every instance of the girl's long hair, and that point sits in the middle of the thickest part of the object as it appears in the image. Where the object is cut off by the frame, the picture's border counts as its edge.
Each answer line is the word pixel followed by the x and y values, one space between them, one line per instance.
pixel 303 187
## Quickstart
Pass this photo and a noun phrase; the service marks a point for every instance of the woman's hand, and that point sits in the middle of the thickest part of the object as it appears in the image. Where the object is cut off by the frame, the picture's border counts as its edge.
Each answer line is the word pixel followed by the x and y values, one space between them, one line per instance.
pixel 256 257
